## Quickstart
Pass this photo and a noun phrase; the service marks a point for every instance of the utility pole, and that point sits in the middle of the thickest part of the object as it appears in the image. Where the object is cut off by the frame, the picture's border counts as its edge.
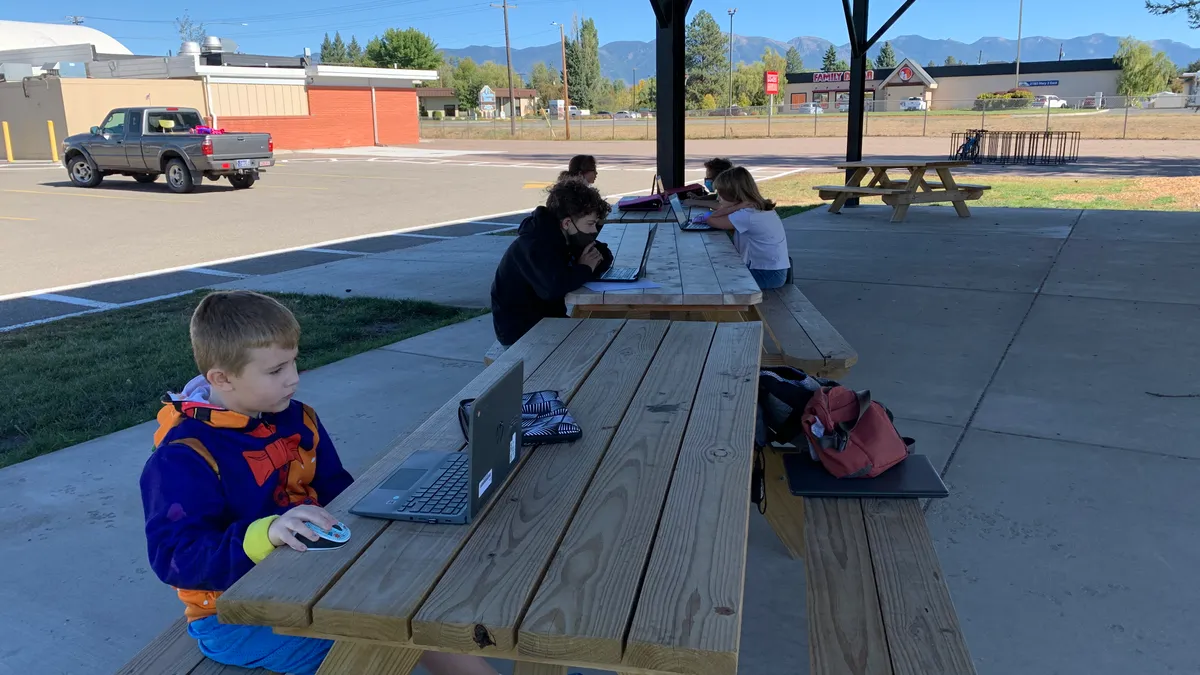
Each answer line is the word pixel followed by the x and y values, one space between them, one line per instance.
pixel 512 100
pixel 729 107
pixel 562 36
pixel 1020 20
pixel 75 20
pixel 635 89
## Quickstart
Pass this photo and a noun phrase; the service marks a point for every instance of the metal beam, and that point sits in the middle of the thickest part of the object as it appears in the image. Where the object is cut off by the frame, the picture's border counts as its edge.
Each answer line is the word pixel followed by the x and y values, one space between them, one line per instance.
pixel 858 87
pixel 670 105
pixel 887 24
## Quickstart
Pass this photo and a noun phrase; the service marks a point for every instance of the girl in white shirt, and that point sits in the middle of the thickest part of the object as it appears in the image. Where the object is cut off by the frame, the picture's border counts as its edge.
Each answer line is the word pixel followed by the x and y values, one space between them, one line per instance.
pixel 757 230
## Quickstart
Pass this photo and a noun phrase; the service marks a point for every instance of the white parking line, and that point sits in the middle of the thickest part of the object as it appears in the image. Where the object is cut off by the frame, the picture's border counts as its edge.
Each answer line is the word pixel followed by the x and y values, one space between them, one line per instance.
pixel 332 250
pixel 38 322
pixel 217 273
pixel 82 302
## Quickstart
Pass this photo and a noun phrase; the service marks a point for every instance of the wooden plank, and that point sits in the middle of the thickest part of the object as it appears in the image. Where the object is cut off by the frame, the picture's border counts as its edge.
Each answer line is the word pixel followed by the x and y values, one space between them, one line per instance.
pixel 737 284
pixel 788 335
pixel 689 612
pixel 481 598
pixel 347 658
pixel 827 340
pixel 922 628
pixel 934 197
pixel 854 180
pixel 700 284
pixel 584 604
pixel 662 269
pixel 208 667
pixel 845 627
pixel 527 668
pixel 784 511
pixel 173 652
pixel 281 590
pixel 382 590
pixel 835 190
pixel 903 163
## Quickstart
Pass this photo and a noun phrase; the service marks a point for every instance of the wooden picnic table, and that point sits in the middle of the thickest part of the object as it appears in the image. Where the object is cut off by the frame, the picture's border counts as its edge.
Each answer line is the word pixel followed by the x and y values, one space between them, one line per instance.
pixel 700 276
pixel 625 550
pixel 900 194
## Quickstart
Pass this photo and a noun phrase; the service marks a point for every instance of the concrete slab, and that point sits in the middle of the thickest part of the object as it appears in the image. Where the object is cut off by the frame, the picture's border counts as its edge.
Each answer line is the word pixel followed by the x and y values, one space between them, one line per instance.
pixel 444 282
pixel 1066 558
pixel 1178 227
pixel 465 341
pixel 935 441
pixel 993 262
pixel 380 244
pixel 1156 271
pixel 926 353
pixel 1088 370
pixel 75 517
pixel 22 310
pixel 279 262
pixel 118 292
pixel 464 251
pixel 459 229
pixel 1052 223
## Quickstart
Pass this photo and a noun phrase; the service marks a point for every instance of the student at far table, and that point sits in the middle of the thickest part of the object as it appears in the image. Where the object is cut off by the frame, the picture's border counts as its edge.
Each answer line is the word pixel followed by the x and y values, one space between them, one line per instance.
pixel 581 166
pixel 235 474
pixel 554 253
pixel 757 230
pixel 712 168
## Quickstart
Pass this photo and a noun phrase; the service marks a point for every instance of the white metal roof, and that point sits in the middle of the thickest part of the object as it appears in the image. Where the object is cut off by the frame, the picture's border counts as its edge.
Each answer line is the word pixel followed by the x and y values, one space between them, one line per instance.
pixel 24 35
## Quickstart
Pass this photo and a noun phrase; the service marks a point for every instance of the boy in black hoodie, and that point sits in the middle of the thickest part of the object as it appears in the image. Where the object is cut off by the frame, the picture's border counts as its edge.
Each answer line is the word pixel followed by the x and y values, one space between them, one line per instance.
pixel 554 253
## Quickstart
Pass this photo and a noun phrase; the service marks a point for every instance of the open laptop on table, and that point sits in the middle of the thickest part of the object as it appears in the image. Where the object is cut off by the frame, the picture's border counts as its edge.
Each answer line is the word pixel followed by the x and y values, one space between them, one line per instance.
pixel 631 273
pixel 453 487
pixel 685 222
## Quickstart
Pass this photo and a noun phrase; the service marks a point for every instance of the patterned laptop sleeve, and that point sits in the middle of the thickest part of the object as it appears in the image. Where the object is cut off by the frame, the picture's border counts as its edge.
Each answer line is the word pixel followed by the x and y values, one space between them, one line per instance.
pixel 544 419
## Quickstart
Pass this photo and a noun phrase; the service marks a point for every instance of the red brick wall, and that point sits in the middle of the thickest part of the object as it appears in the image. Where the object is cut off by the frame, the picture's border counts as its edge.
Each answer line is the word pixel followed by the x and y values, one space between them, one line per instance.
pixel 339 117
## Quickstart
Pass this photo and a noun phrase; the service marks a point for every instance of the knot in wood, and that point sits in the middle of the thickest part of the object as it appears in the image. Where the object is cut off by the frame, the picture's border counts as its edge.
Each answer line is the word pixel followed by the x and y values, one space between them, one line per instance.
pixel 482 637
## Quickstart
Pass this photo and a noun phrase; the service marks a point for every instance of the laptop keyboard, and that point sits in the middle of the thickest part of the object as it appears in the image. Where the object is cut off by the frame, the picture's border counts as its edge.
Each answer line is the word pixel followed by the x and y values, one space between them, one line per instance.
pixel 447 494
pixel 620 273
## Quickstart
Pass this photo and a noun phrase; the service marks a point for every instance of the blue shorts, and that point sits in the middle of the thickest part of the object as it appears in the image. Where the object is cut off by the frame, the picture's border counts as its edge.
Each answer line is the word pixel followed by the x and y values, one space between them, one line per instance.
pixel 258 647
pixel 768 279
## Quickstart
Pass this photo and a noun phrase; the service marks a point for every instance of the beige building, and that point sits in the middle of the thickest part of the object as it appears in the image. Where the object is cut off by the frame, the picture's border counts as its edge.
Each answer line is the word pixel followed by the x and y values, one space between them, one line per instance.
pixel 957 87
pixel 443 99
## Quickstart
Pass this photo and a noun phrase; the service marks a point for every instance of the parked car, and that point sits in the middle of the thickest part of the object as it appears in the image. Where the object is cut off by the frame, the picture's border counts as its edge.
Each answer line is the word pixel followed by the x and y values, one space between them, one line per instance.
pixel 914 103
pixel 645 112
pixel 810 109
pixel 734 111
pixel 146 142
pixel 844 106
pixel 1048 101
pixel 624 115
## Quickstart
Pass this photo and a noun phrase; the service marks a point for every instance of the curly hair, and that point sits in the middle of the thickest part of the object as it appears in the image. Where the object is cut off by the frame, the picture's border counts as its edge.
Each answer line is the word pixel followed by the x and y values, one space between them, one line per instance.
pixel 718 166
pixel 574 198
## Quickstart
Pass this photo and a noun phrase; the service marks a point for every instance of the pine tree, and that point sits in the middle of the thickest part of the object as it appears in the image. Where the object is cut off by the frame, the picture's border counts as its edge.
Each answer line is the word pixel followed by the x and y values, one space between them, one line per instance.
pixel 326 49
pixel 353 50
pixel 795 64
pixel 337 52
pixel 583 65
pixel 931 64
pixel 829 62
pixel 887 57
pixel 705 60
pixel 840 66
pixel 951 61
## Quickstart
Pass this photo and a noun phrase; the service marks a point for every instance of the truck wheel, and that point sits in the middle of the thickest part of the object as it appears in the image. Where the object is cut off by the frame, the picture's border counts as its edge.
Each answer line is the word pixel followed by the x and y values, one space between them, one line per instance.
pixel 241 181
pixel 179 179
pixel 146 177
pixel 83 173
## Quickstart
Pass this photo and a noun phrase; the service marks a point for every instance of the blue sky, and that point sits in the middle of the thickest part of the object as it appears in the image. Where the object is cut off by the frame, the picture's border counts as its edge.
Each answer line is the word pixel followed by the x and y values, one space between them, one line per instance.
pixel 287 26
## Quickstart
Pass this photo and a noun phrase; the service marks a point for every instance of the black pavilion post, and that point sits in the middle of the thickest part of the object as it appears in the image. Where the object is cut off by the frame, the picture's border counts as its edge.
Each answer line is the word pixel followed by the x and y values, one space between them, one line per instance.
pixel 671 18
pixel 857 21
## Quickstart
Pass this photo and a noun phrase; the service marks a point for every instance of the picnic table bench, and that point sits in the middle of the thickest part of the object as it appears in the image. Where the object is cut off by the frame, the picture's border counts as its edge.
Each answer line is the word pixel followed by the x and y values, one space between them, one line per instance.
pixel 796 334
pixel 623 551
pixel 175 652
pixel 900 194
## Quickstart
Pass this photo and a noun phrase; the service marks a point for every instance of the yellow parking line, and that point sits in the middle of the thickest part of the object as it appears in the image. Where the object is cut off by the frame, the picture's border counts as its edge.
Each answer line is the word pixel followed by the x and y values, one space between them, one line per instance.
pixel 536 186
pixel 96 196
pixel 15 218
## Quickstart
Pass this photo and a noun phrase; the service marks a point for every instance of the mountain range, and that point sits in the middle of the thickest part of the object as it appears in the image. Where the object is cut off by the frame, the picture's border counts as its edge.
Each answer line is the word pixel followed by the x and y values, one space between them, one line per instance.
pixel 624 59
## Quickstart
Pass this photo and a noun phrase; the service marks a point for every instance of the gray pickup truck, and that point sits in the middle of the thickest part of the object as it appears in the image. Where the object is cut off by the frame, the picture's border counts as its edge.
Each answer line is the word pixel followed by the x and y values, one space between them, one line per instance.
pixel 146 142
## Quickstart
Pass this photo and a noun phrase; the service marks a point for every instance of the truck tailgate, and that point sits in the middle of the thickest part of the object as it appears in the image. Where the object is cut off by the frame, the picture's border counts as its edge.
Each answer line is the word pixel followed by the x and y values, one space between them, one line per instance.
pixel 240 146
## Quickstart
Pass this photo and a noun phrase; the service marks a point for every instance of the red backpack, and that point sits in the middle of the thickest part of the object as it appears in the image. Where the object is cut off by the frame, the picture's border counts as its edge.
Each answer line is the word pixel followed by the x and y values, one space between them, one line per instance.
pixel 852 435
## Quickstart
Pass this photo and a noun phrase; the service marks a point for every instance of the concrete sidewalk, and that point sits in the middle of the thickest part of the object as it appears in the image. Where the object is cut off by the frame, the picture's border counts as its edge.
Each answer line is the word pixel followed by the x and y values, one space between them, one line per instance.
pixel 1047 359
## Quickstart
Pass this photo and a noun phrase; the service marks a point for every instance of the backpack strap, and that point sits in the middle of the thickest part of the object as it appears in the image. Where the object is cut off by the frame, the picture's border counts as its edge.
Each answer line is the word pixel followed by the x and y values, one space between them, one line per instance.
pixel 840 435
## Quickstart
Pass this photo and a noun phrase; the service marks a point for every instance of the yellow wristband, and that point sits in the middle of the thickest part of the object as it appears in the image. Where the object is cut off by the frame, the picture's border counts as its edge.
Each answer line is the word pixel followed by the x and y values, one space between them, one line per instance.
pixel 257 544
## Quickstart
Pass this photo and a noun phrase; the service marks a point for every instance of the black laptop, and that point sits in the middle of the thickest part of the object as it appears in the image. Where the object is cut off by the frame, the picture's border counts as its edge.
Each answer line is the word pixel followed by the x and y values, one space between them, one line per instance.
pixel 914 478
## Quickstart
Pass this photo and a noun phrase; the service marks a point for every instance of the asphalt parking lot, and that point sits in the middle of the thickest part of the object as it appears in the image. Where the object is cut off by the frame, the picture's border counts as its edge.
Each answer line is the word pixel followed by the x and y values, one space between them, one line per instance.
pixel 65 249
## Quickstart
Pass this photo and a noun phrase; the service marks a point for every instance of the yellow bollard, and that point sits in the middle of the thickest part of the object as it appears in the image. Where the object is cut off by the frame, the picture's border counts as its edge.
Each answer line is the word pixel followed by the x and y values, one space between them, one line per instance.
pixel 7 141
pixel 53 144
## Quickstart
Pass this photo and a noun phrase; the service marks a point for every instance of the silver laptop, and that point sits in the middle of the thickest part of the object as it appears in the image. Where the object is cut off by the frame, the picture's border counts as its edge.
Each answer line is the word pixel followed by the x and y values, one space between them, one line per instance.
pixel 631 273
pixel 681 217
pixel 453 487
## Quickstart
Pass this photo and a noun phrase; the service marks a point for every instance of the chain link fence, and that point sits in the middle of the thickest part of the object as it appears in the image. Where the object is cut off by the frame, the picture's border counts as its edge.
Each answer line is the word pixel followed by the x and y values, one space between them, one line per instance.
pixel 1160 117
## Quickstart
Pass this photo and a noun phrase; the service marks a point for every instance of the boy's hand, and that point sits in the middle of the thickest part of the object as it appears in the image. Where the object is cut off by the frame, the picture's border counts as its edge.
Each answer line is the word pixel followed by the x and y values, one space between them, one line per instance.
pixel 284 529
pixel 591 257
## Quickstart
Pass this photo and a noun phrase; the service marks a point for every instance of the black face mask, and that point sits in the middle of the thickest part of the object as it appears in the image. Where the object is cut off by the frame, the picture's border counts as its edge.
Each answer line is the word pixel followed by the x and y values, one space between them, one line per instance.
pixel 577 241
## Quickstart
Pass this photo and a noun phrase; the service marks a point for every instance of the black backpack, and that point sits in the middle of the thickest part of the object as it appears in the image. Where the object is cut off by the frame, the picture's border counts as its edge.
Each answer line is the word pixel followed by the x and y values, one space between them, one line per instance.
pixel 782 394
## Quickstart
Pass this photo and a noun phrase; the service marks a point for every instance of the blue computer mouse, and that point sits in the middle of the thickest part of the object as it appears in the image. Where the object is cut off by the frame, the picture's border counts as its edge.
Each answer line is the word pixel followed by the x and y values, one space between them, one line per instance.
pixel 334 537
